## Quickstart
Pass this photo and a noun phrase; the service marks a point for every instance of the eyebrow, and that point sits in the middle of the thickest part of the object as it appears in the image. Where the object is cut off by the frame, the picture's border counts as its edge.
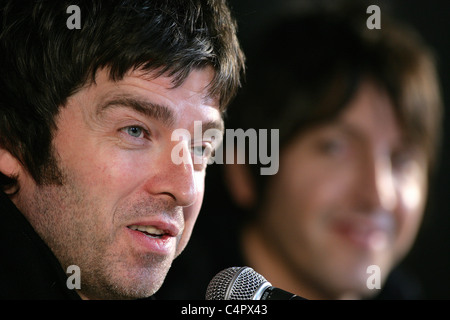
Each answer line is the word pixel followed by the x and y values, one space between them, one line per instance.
pixel 156 111
pixel 214 124
pixel 358 135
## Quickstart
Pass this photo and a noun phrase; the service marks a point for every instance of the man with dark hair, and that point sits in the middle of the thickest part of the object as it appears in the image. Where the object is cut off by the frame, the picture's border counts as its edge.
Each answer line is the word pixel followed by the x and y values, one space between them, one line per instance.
pixel 358 112
pixel 359 115
pixel 86 120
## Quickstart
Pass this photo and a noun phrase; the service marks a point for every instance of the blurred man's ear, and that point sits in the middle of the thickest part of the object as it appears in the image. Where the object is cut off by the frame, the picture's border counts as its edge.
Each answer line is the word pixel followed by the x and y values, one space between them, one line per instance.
pixel 241 185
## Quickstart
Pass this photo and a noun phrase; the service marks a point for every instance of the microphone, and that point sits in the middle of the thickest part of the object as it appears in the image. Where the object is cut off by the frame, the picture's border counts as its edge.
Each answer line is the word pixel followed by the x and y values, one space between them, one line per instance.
pixel 244 283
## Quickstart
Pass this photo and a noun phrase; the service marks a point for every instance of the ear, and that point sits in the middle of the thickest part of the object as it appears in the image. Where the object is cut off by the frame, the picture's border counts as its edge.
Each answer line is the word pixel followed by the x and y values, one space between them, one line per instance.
pixel 9 165
pixel 241 185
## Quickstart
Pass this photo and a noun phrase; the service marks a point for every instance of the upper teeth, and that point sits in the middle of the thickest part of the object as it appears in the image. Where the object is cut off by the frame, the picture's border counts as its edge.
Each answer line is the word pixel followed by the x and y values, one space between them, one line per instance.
pixel 147 229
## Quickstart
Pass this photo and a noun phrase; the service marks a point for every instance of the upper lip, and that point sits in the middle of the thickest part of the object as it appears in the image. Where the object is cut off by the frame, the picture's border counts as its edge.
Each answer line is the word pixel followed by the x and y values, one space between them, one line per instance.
pixel 169 227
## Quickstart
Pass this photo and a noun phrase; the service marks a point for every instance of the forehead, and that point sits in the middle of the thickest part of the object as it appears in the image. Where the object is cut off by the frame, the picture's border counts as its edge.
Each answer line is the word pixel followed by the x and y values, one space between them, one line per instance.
pixel 371 111
pixel 194 88
pixel 189 98
pixel 369 117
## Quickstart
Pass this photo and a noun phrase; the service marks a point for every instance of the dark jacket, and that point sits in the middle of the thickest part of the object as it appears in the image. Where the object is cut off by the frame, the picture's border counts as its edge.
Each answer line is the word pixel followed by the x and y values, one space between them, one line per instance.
pixel 28 268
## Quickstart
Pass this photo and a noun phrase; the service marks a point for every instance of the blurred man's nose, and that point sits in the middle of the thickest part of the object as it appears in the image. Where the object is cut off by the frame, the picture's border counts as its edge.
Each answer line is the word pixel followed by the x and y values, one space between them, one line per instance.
pixel 378 187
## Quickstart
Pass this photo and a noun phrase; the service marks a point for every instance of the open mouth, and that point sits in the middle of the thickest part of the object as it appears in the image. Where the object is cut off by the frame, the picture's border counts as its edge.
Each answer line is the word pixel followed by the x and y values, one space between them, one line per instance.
pixel 149 231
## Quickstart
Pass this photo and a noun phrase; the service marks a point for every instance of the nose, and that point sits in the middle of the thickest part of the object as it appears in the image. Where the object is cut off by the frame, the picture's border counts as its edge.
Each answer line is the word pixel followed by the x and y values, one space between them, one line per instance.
pixel 378 188
pixel 173 180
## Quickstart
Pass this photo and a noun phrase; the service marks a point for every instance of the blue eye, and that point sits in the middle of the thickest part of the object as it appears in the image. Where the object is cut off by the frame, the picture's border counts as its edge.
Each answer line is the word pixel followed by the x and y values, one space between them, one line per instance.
pixel 201 154
pixel 199 151
pixel 135 132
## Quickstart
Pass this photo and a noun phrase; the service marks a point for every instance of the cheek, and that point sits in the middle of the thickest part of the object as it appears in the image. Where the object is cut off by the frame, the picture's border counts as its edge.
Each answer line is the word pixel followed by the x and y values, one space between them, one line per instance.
pixel 410 210
pixel 113 176
pixel 288 204
pixel 412 196
pixel 301 197
pixel 306 185
pixel 191 213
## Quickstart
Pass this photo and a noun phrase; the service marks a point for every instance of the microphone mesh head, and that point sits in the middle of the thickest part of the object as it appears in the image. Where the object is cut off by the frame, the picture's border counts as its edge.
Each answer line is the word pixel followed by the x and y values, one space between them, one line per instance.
pixel 235 283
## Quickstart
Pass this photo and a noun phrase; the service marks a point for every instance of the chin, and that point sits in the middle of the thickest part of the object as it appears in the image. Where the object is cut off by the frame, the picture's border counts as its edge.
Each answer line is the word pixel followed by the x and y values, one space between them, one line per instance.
pixel 135 282
pixel 123 291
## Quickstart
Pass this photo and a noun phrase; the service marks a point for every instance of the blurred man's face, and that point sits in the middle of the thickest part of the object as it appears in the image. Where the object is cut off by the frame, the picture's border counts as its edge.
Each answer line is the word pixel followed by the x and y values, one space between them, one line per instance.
pixel 348 195
pixel 124 210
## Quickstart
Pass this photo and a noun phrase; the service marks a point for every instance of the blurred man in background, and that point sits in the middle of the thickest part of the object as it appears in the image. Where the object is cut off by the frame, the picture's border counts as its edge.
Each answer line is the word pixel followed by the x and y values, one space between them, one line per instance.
pixel 358 112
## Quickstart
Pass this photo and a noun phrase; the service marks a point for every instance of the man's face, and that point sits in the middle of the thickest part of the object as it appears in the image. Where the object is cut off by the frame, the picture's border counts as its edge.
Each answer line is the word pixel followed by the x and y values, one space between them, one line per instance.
pixel 124 210
pixel 349 194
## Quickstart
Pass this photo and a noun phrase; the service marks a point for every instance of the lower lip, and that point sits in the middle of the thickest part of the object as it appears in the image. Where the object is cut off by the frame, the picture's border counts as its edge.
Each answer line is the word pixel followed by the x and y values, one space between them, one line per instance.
pixel 163 246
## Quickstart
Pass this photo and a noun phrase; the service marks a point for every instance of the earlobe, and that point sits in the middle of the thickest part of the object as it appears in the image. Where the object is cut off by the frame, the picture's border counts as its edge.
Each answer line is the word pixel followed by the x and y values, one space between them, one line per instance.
pixel 241 185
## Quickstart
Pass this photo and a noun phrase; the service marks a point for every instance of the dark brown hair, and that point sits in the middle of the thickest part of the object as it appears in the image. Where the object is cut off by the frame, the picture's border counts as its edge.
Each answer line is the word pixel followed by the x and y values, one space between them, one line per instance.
pixel 43 62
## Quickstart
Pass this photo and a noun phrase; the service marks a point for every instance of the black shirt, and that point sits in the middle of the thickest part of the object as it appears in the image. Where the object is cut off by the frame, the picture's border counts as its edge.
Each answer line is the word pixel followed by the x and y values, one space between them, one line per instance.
pixel 28 268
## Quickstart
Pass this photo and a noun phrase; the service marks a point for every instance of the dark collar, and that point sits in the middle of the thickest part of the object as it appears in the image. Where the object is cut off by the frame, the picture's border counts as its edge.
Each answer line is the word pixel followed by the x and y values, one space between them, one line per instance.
pixel 28 268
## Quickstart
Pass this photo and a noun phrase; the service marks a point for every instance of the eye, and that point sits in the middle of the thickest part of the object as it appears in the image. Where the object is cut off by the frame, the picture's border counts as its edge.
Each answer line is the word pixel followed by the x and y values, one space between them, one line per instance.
pixel 204 151
pixel 200 151
pixel 134 131
pixel 332 146
pixel 201 154
pixel 135 135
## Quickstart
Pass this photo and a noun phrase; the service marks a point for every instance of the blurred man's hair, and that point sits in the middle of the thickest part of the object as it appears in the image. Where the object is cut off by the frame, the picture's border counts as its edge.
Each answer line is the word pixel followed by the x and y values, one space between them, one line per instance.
pixel 306 69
